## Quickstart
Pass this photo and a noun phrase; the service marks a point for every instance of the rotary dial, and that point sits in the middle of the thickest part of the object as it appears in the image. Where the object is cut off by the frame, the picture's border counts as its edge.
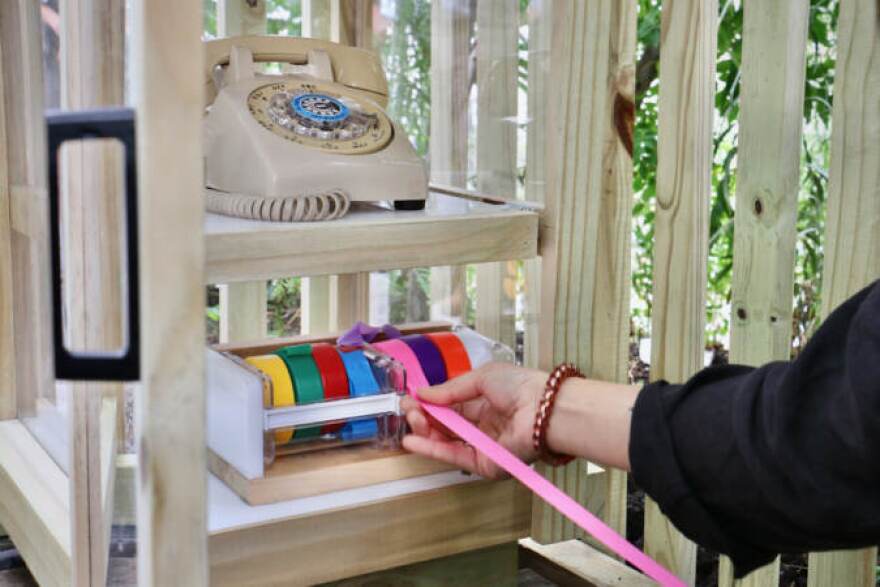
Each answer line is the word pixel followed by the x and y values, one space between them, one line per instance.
pixel 319 116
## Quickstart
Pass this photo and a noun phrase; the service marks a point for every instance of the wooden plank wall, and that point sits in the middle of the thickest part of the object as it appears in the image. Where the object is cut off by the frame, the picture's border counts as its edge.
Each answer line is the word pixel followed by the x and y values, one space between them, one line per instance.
pixel 585 243
pixel 497 39
pixel 852 236
pixel 450 82
pixel 768 181
pixel 686 105
pixel 92 76
pixel 167 68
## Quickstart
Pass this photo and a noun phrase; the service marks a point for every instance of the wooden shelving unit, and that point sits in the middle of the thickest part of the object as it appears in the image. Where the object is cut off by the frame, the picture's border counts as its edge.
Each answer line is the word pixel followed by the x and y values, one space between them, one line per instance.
pixel 451 230
pixel 440 508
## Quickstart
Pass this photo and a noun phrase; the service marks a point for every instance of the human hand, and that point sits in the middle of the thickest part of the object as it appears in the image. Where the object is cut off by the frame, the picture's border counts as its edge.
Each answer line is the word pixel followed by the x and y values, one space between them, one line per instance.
pixel 501 400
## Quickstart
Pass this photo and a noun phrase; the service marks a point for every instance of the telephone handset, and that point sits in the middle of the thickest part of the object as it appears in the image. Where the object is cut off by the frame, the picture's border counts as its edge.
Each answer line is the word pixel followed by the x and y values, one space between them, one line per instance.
pixel 302 144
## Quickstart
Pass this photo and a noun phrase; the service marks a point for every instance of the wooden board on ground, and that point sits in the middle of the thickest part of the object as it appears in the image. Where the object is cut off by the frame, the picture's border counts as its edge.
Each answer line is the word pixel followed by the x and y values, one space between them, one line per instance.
pixel 584 562
pixel 318 472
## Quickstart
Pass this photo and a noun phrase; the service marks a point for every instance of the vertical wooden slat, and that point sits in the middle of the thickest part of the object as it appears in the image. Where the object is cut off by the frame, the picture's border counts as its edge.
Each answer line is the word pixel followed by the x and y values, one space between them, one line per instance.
pixel 170 411
pixel 497 40
pixel 242 305
pixel 853 225
pixel 450 80
pixel 768 178
pixel 241 17
pixel 7 328
pixel 687 90
pixel 351 22
pixel 316 18
pixel 242 311
pixel 585 247
pixel 92 72
pixel 540 31
pixel 349 300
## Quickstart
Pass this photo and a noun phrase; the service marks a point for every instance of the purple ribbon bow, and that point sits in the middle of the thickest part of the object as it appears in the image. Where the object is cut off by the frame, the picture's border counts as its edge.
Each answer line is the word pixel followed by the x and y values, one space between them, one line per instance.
pixel 360 334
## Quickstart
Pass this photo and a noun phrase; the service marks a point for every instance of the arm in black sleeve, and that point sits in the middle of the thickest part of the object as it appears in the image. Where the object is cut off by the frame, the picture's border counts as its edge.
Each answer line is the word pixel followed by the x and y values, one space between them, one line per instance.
pixel 782 458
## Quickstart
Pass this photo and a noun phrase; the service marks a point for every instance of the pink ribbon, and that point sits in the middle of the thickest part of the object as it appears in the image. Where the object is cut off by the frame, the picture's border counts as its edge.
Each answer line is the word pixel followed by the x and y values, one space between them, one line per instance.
pixel 524 473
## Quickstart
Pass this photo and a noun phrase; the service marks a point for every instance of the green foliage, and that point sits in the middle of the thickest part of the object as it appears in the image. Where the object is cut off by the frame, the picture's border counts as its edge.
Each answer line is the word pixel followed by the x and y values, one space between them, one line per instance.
pixel 284 17
pixel 284 307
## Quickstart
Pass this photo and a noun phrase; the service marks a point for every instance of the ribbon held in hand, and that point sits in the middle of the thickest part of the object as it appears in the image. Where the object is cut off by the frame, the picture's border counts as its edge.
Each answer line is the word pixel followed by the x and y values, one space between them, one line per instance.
pixel 550 493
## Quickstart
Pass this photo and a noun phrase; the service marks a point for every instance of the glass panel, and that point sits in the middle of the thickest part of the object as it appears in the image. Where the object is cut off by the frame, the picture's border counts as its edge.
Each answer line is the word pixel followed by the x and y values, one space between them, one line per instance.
pixel 30 58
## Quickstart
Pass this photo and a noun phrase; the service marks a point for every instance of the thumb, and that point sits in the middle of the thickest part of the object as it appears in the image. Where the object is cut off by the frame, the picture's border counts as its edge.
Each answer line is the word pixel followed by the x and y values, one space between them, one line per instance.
pixel 459 389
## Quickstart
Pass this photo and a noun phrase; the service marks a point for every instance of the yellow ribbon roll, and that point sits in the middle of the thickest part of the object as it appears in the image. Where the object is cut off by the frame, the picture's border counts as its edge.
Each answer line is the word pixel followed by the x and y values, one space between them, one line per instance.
pixel 282 387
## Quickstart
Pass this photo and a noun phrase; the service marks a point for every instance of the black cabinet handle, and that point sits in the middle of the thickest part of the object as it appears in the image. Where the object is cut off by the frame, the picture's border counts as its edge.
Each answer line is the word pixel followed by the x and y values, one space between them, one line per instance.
pixel 112 123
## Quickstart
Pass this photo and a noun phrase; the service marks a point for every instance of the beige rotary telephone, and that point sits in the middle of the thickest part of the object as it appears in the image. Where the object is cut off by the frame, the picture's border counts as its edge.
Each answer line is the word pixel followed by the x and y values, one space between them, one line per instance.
pixel 301 145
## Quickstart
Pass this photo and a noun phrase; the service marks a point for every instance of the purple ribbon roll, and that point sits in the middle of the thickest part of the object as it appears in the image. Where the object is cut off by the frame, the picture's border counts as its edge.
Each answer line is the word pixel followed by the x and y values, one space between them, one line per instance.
pixel 429 357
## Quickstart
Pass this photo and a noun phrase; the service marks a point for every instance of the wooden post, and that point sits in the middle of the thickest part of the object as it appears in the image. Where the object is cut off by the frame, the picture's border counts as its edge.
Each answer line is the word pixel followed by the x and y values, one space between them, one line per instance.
pixel 243 304
pixel 497 60
pixel 853 226
pixel 450 78
pixel 771 122
pixel 585 247
pixel 92 76
pixel 686 104
pixel 170 412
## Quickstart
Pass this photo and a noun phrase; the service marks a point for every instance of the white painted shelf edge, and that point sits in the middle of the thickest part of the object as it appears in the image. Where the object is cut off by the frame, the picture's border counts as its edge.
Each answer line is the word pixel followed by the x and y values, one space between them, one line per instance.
pixel 227 511
pixel 453 229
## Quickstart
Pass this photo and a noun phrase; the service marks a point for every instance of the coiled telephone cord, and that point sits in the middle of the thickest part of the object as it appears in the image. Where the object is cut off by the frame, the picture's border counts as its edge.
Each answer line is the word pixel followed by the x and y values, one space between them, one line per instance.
pixel 328 205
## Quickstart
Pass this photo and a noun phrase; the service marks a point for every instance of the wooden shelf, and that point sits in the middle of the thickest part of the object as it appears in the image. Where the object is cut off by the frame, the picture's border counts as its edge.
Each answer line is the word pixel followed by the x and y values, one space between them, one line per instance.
pixel 451 230
pixel 347 533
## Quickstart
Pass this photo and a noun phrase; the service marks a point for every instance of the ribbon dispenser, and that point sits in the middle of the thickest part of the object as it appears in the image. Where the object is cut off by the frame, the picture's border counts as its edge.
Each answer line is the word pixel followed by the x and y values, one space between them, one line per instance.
pixel 290 418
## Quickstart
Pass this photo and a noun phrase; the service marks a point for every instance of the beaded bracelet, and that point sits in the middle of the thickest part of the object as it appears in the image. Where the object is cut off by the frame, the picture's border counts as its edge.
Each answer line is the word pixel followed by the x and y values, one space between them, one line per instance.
pixel 545 409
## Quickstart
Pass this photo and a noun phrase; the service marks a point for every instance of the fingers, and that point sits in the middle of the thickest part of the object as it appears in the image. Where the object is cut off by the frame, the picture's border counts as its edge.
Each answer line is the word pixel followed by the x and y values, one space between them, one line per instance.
pixel 456 390
pixel 425 425
pixel 455 453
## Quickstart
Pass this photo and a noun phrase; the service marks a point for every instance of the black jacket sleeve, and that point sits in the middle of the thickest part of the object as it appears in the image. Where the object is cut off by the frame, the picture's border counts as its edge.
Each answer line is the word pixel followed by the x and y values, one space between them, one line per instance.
pixel 782 458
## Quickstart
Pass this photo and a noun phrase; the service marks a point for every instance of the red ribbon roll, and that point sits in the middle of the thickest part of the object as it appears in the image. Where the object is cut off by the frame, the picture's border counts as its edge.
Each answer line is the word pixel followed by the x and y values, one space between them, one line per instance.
pixel 333 377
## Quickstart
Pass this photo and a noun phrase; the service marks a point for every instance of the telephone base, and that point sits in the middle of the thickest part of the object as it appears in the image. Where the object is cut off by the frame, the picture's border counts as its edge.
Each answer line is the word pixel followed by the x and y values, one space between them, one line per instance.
pixel 407 205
